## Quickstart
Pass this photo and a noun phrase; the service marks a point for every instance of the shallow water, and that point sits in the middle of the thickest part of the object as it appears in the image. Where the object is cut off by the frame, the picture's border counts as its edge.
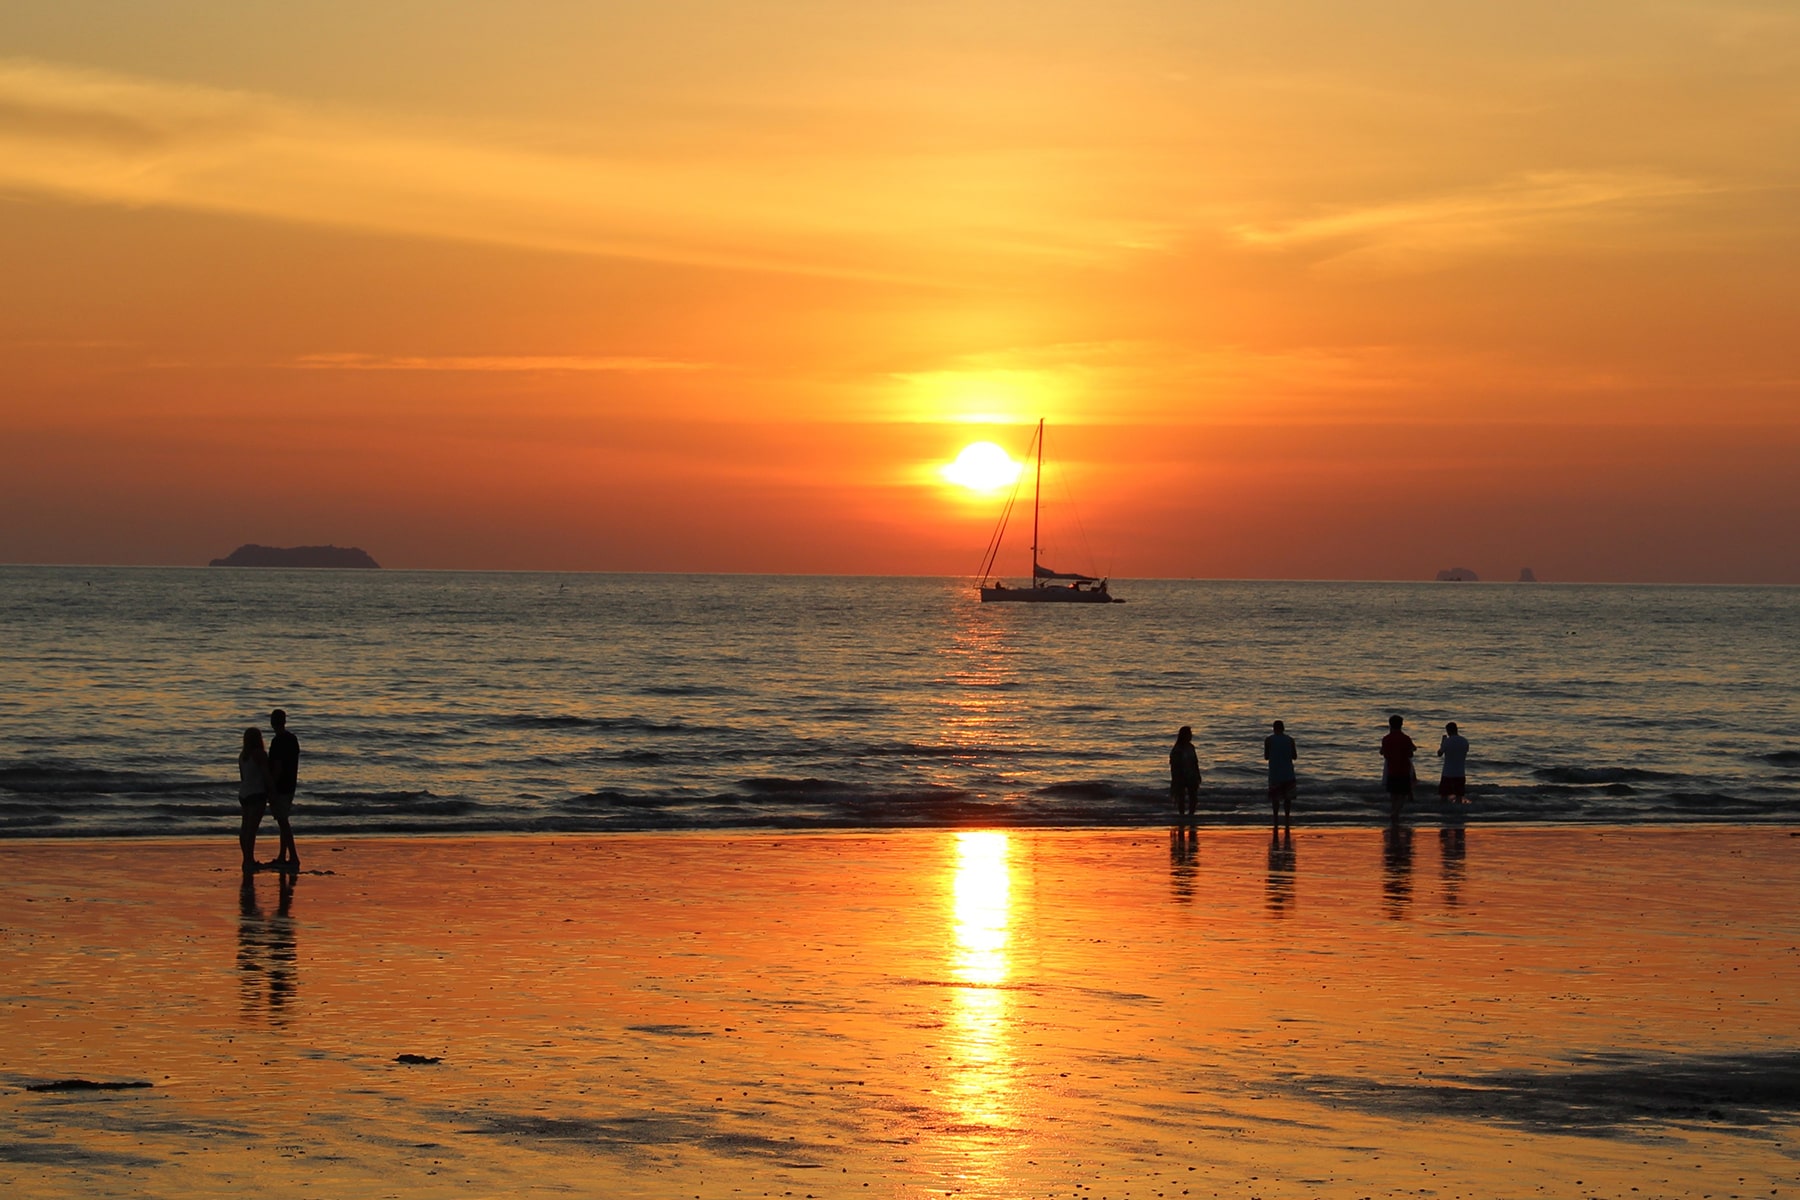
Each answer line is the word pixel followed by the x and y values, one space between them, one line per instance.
pixel 1596 1012
pixel 465 701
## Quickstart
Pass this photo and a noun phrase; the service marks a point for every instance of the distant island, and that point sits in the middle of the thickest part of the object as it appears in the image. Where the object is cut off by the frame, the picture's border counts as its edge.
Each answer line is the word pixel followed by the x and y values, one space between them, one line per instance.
pixel 252 555
pixel 1458 575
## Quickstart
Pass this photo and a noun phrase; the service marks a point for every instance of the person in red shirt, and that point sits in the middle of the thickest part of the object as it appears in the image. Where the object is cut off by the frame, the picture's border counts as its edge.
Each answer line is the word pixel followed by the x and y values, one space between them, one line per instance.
pixel 1397 769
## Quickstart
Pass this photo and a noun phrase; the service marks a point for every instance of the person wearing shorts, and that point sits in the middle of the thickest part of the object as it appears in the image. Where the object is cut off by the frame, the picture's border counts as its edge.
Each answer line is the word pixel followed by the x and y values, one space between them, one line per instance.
pixel 284 774
pixel 1454 750
pixel 1397 771
pixel 1281 752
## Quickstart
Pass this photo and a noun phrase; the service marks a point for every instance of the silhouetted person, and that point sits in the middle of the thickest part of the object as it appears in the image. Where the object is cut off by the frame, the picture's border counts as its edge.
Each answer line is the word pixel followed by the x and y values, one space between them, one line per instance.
pixel 1184 774
pixel 1281 751
pixel 1397 767
pixel 253 792
pixel 284 773
pixel 1281 872
pixel 1454 750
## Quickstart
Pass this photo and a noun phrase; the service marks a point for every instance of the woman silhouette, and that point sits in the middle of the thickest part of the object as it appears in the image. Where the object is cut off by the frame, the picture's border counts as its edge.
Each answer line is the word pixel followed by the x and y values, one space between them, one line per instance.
pixel 1184 774
pixel 253 791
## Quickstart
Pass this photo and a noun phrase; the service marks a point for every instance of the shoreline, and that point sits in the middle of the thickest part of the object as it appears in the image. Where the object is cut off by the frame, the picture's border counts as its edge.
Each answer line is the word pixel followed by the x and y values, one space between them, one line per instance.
pixel 1468 822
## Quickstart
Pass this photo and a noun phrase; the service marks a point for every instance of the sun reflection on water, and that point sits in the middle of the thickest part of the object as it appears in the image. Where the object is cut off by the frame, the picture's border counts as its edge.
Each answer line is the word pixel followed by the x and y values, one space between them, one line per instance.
pixel 978 703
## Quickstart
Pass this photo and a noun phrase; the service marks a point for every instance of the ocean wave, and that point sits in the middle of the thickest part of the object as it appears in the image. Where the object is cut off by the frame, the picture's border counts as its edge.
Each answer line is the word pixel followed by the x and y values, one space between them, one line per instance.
pixel 419 803
pixel 1783 758
pixel 529 721
pixel 31 824
pixel 1088 790
pixel 874 801
pixel 59 778
pixel 1592 775
pixel 922 750
pixel 605 801
pixel 778 786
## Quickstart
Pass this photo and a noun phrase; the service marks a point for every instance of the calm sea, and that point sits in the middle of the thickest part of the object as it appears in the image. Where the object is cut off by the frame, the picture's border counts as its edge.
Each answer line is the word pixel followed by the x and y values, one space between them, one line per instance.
pixel 431 701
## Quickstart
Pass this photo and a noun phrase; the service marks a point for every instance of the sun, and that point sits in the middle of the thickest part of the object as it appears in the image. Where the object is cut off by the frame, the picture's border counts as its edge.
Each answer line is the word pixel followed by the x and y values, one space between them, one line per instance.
pixel 982 467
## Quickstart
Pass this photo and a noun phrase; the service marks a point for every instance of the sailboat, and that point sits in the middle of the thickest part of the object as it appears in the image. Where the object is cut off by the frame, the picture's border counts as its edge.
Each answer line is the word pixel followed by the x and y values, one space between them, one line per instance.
pixel 1082 589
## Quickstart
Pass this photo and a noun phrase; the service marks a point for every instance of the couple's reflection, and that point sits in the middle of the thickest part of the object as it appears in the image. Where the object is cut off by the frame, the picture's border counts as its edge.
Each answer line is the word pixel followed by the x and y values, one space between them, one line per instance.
pixel 267 957
pixel 1281 872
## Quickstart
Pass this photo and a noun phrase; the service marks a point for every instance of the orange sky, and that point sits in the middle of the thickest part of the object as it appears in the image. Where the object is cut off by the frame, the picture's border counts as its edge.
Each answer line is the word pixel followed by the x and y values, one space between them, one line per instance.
pixel 1305 289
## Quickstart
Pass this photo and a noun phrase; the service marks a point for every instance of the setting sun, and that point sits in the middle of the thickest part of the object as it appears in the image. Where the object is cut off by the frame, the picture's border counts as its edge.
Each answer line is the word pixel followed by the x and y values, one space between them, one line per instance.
pixel 982 467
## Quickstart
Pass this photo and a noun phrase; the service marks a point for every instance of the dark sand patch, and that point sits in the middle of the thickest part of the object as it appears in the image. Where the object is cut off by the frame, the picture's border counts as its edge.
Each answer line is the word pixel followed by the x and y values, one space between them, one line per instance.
pixel 67 1154
pixel 1618 1097
pixel 636 1133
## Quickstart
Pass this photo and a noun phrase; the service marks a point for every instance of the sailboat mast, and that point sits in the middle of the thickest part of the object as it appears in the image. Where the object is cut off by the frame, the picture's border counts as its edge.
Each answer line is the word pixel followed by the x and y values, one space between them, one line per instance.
pixel 1037 491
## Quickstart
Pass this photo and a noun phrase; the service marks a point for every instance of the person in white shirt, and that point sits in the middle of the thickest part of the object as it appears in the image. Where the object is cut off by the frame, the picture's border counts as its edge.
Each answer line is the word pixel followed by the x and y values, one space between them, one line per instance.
pixel 1454 750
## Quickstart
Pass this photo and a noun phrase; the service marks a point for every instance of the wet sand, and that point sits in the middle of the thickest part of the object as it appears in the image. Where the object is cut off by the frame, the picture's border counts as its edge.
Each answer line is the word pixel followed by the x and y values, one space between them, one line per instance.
pixel 1518 1012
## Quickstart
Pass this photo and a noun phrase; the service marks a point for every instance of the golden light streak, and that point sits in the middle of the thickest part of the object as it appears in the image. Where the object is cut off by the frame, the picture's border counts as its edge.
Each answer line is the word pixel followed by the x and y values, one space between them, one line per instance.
pixel 981 1082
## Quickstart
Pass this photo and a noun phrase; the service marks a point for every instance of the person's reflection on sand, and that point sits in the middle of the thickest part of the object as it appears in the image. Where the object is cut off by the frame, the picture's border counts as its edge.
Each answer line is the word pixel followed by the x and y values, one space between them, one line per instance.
pixel 267 956
pixel 1281 872
pixel 1453 850
pixel 1184 861
pixel 1396 870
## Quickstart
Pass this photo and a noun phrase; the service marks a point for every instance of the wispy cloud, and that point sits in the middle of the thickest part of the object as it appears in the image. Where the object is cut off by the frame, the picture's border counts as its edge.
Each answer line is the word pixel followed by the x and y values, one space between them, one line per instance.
pixel 1461 221
pixel 487 362
pixel 831 209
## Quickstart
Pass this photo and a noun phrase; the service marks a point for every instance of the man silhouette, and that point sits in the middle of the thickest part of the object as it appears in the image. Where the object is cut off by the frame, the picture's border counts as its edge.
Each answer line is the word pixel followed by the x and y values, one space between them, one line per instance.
pixel 1397 774
pixel 284 774
pixel 1281 752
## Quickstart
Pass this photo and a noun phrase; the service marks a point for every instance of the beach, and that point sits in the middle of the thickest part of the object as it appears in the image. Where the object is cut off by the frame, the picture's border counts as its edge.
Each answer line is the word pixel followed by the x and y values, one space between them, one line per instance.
pixel 1604 1011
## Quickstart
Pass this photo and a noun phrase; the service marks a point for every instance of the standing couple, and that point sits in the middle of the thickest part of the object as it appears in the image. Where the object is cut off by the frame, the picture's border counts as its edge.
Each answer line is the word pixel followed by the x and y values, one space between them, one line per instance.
pixel 266 778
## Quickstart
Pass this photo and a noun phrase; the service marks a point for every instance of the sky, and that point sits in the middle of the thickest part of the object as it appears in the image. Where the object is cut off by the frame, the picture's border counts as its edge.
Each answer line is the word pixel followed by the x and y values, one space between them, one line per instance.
pixel 1302 289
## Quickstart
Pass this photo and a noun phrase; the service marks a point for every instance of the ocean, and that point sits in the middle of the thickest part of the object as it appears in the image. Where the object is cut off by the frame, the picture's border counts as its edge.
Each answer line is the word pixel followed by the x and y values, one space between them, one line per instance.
pixel 466 701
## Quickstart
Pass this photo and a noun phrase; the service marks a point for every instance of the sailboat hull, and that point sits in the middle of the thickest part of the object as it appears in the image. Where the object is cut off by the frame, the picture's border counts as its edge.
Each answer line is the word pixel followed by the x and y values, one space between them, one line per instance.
pixel 1046 595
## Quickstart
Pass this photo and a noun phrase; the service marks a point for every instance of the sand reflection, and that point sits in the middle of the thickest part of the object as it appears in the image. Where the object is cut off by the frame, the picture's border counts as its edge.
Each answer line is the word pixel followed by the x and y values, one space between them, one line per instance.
pixel 982 1069
pixel 1396 871
pixel 1282 864
pixel 267 957
pixel 1184 862
pixel 1453 852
